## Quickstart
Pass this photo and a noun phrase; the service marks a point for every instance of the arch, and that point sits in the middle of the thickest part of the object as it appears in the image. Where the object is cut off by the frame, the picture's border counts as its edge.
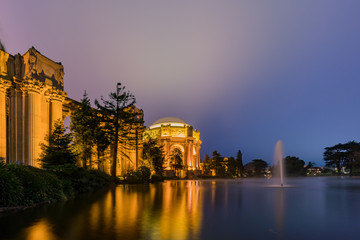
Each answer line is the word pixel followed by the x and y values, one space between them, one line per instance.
pixel 177 145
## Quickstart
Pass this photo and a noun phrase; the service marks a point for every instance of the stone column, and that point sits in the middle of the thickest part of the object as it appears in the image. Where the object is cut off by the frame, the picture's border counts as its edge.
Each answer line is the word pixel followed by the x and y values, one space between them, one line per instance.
pixel 197 156
pixel 3 87
pixel 57 99
pixel 34 127
pixel 167 155
pixel 191 155
pixel 186 155
pixel 11 127
pixel 19 126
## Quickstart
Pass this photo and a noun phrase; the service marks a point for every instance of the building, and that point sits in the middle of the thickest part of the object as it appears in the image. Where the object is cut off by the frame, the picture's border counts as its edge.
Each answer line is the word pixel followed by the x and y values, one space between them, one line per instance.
pixel 177 136
pixel 32 99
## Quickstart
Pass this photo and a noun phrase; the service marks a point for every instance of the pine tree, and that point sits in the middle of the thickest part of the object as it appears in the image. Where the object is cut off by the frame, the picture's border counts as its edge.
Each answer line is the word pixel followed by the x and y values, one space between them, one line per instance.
pixel 207 164
pixel 240 163
pixel 119 118
pixel 101 140
pixel 57 151
pixel 153 156
pixel 83 123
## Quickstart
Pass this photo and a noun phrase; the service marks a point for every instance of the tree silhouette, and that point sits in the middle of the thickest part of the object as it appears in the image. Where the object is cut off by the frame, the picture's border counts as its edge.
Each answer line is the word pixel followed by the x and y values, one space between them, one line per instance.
pixel 119 117
pixel 57 151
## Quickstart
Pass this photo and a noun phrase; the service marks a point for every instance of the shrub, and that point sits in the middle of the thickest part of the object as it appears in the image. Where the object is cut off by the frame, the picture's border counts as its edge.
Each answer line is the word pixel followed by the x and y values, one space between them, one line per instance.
pixel 144 173
pixel 156 178
pixel 11 191
pixel 25 185
pixel 79 180
pixel 38 185
pixel 132 177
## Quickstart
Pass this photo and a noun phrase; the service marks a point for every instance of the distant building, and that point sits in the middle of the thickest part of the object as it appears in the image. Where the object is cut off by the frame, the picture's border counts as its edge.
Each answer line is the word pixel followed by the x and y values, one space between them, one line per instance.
pixel 177 136
pixel 32 98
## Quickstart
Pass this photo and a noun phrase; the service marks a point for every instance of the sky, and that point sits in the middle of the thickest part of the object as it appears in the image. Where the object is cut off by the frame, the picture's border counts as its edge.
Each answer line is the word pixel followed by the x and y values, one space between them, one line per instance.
pixel 244 73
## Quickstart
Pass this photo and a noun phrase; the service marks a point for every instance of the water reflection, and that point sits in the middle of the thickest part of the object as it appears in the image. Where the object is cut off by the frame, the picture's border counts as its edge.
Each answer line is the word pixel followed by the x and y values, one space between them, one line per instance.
pixel 171 210
pixel 161 211
pixel 222 209
pixel 279 213
pixel 41 230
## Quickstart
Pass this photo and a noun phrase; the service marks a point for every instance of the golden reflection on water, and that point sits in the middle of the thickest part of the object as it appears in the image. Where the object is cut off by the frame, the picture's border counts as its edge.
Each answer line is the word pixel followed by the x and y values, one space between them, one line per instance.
pixel 171 210
pixel 41 230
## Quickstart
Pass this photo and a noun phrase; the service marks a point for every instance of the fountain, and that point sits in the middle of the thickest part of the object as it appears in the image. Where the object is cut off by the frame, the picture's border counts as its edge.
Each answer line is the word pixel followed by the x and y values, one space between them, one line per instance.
pixel 279 163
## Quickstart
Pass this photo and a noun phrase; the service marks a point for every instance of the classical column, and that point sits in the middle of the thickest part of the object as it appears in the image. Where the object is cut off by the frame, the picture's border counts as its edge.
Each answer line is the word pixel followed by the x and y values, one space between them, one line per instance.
pixel 33 128
pixel 167 155
pixel 19 126
pixel 12 126
pixel 186 154
pixel 57 99
pixel 191 155
pixel 3 87
pixel 198 156
pixel 33 119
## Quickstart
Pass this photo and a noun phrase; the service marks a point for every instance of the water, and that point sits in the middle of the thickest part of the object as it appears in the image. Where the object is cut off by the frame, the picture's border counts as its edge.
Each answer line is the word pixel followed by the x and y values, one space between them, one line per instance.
pixel 314 208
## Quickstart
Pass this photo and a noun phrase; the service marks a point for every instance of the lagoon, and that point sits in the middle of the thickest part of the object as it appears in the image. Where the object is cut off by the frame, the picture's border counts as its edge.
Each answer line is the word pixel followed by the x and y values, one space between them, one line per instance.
pixel 309 208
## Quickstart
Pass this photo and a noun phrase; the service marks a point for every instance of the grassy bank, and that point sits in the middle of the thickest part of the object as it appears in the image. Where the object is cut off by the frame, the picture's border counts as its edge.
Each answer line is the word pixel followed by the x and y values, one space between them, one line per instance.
pixel 27 186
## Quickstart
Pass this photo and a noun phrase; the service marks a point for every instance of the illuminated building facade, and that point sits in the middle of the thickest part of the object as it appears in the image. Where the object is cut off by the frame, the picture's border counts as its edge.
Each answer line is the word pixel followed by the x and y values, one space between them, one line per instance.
pixel 177 136
pixel 32 99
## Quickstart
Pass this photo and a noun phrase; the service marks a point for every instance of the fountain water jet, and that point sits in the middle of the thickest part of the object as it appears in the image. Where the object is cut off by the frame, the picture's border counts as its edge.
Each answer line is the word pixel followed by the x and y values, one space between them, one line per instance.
pixel 278 159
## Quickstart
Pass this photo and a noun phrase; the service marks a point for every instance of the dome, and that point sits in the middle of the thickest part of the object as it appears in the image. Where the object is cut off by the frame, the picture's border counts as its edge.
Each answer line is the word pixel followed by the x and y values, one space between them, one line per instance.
pixel 173 121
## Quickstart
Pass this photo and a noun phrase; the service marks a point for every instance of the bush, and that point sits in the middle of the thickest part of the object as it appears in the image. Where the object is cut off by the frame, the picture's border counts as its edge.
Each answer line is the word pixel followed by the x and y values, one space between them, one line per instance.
pixel 156 178
pixel 25 185
pixel 79 180
pixel 38 185
pixel 132 177
pixel 142 175
pixel 11 191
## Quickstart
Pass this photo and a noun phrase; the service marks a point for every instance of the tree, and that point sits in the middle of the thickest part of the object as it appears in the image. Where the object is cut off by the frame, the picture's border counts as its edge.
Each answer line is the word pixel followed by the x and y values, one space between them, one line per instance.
pixel 294 166
pixel 178 162
pixel 216 164
pixel 232 166
pixel 118 116
pixel 101 140
pixel 336 156
pixel 207 164
pixel 153 156
pixel 310 165
pixel 83 123
pixel 256 167
pixel 353 155
pixel 240 163
pixel 57 151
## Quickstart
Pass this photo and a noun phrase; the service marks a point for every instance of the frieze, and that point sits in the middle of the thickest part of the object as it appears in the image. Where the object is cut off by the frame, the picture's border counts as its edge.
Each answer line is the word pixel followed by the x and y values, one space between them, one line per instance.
pixel 4 85
pixel 43 69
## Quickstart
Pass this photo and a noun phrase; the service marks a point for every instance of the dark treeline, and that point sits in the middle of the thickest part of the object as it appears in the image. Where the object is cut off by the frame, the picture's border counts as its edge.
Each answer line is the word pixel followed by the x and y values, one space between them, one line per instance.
pixel 220 166
pixel 344 156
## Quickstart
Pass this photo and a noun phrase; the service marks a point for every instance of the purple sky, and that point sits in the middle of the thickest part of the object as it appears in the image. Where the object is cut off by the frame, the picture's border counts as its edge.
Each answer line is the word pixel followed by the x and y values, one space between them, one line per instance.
pixel 244 73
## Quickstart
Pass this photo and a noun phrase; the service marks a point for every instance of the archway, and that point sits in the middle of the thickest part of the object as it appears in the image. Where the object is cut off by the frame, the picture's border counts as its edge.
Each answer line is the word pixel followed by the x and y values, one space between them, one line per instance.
pixel 177 157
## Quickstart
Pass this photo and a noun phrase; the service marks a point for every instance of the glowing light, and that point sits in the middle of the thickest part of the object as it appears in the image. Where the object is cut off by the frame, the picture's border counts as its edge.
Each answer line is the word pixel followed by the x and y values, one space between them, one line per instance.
pixel 171 124
pixel 41 230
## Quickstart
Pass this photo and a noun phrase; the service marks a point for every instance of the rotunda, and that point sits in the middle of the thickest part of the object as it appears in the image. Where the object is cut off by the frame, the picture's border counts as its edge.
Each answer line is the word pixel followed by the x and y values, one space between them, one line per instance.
pixel 178 138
